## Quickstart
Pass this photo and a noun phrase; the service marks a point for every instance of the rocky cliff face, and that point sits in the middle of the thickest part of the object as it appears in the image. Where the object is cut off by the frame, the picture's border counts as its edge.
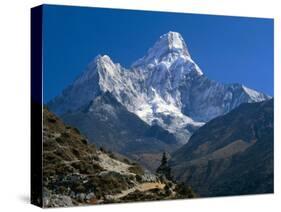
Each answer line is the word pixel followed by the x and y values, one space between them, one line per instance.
pixel 231 154
pixel 165 87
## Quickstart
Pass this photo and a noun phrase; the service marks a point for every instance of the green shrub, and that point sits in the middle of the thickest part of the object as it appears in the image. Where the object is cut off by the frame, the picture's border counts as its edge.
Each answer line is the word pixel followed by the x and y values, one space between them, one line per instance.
pixel 136 170
pixel 111 154
pixel 52 120
pixel 84 141
pixel 138 178
pixel 65 135
pixel 59 140
pixel 125 160
pixel 184 191
pixel 75 152
pixel 102 150
pixel 80 189
pixel 76 130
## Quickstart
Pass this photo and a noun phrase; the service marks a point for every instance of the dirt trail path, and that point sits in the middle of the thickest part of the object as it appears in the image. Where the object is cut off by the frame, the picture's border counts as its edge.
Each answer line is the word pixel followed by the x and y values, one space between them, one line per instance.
pixel 149 186
pixel 141 187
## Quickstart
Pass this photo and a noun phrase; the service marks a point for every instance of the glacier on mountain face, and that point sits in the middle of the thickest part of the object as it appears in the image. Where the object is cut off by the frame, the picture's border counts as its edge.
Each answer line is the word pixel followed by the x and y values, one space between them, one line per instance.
pixel 165 87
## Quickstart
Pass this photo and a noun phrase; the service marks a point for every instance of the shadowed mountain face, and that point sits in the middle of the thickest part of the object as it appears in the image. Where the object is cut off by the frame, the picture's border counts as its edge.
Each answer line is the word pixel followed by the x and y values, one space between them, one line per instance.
pixel 231 154
pixel 108 124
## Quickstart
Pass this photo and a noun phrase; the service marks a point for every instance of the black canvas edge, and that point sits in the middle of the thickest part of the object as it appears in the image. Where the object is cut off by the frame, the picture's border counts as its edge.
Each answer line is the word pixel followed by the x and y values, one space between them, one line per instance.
pixel 36 106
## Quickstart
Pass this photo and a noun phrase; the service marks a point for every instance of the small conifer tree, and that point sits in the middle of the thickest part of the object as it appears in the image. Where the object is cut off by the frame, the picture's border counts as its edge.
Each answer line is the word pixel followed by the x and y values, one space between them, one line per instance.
pixel 164 159
pixel 164 169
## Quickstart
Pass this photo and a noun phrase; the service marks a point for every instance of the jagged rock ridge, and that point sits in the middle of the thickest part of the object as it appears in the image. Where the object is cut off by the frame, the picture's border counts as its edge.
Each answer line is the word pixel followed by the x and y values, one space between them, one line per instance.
pixel 165 87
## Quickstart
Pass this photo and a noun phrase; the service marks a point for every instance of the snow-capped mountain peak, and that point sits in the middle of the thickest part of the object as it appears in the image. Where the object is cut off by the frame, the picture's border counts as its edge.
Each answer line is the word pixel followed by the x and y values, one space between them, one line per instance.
pixel 105 64
pixel 165 87
pixel 173 41
pixel 176 42
pixel 103 59
pixel 101 63
pixel 168 48
pixel 255 96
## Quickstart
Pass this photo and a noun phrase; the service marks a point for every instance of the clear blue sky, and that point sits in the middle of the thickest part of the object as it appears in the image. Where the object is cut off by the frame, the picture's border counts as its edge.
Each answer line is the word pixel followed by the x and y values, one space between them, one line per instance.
pixel 227 49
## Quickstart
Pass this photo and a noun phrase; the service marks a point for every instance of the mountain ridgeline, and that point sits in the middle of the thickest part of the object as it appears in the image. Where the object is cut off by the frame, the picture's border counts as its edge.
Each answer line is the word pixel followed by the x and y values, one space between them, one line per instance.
pixel 108 124
pixel 154 106
pixel 230 155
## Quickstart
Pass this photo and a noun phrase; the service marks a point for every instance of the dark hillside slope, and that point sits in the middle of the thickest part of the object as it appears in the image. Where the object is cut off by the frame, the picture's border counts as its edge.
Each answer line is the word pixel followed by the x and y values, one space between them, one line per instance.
pixel 109 124
pixel 230 155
